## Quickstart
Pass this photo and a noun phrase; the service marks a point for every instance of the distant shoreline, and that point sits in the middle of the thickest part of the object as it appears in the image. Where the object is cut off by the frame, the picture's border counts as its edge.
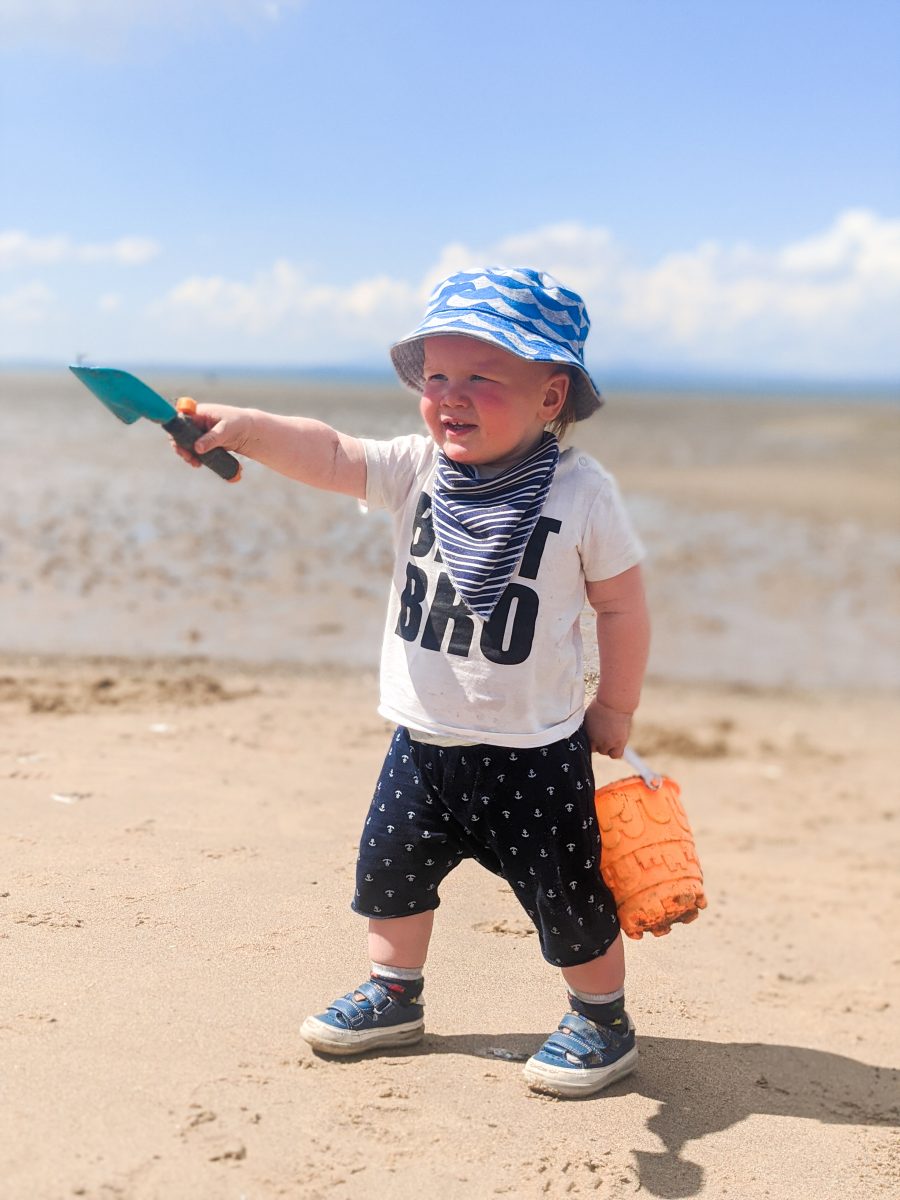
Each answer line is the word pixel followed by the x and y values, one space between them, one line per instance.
pixel 737 385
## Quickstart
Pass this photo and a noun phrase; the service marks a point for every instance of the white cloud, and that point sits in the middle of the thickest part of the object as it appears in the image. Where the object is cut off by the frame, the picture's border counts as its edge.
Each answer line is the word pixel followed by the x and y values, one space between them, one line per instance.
pixel 281 305
pixel 19 249
pixel 825 304
pixel 27 305
pixel 103 25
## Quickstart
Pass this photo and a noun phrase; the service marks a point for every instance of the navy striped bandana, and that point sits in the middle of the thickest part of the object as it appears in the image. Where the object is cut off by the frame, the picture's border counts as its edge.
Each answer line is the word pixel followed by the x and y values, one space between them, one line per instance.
pixel 483 525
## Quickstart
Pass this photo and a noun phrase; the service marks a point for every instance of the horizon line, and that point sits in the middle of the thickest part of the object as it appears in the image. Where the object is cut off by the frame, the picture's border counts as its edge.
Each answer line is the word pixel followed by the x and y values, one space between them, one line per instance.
pixel 614 375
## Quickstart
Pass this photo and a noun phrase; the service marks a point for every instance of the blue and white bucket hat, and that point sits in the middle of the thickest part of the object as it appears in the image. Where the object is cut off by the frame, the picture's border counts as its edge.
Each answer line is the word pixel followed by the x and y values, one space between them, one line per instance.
pixel 528 313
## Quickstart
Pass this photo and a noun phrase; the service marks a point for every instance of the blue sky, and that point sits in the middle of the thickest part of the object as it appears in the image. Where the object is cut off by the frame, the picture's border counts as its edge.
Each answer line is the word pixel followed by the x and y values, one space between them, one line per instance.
pixel 230 182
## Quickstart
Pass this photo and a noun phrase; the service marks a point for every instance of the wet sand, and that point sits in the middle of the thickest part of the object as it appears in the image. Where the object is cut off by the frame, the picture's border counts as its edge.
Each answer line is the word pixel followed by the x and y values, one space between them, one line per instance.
pixel 772 526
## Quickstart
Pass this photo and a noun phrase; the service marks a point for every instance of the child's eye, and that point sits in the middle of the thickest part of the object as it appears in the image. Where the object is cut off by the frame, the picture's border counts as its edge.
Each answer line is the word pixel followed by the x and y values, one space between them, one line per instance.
pixel 435 378
pixel 479 378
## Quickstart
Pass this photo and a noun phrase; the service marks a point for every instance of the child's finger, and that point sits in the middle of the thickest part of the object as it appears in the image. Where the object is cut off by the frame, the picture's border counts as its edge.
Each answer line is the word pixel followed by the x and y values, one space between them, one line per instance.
pixel 215 426
pixel 212 438
pixel 200 414
pixel 186 455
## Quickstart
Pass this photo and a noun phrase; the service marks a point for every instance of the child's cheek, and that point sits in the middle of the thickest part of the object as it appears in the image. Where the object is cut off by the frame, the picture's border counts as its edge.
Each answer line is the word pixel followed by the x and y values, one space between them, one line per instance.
pixel 431 415
pixel 488 399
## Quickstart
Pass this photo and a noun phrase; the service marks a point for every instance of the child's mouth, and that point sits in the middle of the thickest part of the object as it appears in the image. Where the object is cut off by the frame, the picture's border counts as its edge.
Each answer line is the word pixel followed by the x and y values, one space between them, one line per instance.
pixel 451 426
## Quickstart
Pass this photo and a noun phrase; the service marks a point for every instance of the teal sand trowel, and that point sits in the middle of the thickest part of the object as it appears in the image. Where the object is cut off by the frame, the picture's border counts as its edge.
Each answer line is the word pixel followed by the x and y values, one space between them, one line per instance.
pixel 130 398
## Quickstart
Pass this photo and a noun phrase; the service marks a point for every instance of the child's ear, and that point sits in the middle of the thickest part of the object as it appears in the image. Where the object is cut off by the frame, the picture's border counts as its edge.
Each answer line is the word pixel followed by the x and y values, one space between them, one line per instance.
pixel 556 390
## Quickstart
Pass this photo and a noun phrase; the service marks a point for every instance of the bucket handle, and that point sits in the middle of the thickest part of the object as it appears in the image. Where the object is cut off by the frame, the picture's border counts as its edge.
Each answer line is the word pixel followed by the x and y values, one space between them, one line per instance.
pixel 648 775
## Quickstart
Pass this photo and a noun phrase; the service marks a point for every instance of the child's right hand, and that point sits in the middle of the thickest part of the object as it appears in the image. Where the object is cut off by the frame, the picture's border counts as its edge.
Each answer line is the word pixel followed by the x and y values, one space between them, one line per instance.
pixel 223 426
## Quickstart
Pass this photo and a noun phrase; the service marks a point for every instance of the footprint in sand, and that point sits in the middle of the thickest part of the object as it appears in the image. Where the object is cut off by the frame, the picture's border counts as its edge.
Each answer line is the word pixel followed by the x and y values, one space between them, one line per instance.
pixel 215 1135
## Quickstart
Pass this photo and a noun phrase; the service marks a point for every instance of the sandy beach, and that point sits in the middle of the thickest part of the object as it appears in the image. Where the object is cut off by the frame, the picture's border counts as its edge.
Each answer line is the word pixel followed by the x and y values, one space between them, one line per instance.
pixel 177 859
pixel 186 756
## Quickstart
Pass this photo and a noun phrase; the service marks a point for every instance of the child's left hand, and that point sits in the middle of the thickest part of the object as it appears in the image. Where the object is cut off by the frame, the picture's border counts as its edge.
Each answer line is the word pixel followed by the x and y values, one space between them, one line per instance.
pixel 607 730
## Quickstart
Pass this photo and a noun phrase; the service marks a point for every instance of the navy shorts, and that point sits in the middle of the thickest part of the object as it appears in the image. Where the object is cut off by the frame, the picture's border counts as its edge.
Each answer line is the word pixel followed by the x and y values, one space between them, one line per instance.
pixel 526 815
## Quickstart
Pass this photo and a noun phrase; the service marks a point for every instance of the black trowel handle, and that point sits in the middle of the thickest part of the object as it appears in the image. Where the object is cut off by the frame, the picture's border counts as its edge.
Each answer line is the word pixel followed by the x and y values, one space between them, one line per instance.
pixel 185 433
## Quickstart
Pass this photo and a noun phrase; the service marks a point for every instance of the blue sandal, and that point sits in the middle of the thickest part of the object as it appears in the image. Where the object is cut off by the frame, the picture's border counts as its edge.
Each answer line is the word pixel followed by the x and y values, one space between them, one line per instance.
pixel 369 1018
pixel 582 1058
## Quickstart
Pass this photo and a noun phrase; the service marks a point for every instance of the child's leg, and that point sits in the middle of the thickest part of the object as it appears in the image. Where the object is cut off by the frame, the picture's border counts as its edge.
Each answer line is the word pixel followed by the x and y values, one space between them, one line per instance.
pixel 595 1042
pixel 600 976
pixel 386 1010
pixel 401 941
pixel 597 988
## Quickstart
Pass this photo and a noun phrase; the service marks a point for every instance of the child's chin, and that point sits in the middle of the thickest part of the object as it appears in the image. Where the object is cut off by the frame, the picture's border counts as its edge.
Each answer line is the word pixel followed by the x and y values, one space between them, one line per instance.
pixel 457 453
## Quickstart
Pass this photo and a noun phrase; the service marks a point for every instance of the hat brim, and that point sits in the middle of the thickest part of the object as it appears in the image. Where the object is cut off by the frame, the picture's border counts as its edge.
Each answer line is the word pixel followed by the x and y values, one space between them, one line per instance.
pixel 408 354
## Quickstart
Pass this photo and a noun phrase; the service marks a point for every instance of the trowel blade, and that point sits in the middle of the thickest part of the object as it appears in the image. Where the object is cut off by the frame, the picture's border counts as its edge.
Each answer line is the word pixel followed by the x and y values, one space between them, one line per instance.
pixel 124 394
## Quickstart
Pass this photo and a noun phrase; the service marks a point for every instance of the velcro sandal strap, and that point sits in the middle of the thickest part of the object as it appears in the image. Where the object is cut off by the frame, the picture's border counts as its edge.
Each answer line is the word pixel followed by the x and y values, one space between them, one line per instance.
pixel 347 1008
pixel 562 1043
pixel 584 1031
pixel 376 994
pixel 376 998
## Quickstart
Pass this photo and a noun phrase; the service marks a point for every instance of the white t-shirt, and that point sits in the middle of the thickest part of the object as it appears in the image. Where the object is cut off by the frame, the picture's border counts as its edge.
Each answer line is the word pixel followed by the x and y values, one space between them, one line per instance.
pixel 517 679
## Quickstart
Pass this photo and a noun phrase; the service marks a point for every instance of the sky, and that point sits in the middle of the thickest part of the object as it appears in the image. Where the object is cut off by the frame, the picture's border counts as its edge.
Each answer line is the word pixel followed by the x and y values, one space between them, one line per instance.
pixel 279 183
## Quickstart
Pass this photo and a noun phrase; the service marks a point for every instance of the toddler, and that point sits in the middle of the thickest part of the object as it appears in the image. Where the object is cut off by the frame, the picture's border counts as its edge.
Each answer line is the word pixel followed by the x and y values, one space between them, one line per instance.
pixel 499 535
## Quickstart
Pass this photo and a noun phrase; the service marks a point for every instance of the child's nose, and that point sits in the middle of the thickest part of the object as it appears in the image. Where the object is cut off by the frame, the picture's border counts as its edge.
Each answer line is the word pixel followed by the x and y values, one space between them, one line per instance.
pixel 456 392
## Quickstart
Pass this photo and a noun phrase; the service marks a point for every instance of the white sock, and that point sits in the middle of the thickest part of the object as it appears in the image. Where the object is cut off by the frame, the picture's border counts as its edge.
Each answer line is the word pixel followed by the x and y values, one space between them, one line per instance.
pixel 401 974
pixel 596 997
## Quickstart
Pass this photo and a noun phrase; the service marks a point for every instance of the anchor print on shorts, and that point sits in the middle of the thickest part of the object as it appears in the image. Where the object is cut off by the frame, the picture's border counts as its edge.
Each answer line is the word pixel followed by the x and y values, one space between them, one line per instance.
pixel 526 815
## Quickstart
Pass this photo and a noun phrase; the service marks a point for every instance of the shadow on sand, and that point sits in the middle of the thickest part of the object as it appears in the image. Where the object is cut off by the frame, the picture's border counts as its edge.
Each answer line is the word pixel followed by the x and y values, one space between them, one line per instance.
pixel 705 1087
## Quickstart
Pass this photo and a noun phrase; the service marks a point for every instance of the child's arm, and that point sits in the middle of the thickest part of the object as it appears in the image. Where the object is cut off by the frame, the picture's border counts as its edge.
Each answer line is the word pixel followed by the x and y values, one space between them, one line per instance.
pixel 306 450
pixel 623 639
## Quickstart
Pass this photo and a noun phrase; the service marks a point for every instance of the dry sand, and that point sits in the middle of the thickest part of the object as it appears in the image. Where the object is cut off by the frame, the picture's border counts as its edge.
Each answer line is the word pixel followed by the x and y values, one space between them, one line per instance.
pixel 176 860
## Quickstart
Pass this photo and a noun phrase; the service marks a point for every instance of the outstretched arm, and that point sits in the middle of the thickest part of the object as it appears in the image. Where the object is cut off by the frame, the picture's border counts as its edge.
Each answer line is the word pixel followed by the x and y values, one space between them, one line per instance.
pixel 309 451
pixel 623 639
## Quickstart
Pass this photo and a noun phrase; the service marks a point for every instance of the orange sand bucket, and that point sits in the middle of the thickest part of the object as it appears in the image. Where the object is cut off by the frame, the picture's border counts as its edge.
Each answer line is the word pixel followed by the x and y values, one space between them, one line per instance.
pixel 649 861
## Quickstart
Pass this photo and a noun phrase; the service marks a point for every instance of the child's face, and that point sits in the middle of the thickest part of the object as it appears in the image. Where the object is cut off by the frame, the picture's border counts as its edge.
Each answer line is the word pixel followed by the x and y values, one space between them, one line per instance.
pixel 484 406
